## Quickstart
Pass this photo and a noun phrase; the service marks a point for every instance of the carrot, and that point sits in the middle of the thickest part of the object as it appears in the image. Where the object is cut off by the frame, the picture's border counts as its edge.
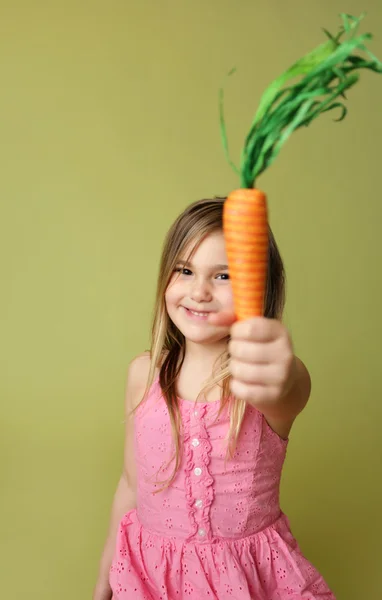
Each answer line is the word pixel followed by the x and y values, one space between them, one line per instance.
pixel 246 236
pixel 325 74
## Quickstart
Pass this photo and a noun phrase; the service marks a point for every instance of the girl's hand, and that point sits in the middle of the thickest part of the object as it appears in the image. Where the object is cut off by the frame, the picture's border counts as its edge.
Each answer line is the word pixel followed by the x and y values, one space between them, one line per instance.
pixel 263 365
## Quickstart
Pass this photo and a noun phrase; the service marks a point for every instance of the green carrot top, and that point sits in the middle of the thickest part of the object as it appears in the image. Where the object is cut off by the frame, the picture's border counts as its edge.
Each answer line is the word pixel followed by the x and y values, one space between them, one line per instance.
pixel 327 72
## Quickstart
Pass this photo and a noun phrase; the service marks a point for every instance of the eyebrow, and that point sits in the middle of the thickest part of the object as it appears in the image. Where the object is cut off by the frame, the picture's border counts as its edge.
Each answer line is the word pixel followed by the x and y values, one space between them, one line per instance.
pixel 218 267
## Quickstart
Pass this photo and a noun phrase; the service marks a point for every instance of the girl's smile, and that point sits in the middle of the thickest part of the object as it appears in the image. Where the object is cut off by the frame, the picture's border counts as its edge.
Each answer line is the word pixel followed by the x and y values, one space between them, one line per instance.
pixel 196 316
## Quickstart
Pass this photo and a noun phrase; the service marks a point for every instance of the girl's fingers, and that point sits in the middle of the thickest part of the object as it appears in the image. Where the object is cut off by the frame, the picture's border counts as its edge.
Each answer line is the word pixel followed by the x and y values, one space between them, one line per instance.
pixel 253 393
pixel 251 352
pixel 254 374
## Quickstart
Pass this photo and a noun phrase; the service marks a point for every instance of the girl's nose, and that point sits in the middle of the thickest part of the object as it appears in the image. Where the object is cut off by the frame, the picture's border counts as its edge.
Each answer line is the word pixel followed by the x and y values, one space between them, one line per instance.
pixel 201 292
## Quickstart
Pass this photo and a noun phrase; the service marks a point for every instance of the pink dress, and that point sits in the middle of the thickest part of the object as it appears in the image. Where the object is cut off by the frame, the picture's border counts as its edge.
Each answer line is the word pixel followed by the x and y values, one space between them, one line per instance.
pixel 217 533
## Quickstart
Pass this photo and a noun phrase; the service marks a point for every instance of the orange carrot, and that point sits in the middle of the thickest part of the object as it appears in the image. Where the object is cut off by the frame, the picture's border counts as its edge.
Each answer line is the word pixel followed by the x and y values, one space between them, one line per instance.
pixel 245 225
pixel 327 72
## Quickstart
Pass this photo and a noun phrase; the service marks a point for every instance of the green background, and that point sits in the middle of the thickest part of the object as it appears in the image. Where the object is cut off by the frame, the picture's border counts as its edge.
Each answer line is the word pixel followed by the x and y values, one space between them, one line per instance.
pixel 108 128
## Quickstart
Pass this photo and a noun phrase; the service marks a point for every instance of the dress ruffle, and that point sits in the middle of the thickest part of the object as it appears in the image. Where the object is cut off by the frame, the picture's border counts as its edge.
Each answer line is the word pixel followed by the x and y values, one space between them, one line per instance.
pixel 265 566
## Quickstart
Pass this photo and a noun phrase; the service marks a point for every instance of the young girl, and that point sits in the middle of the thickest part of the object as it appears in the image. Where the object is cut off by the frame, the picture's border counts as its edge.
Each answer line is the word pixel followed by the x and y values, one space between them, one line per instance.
pixel 209 409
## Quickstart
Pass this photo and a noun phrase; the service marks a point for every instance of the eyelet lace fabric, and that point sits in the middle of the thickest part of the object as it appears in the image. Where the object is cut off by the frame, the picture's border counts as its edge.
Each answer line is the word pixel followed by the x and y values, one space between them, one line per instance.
pixel 217 532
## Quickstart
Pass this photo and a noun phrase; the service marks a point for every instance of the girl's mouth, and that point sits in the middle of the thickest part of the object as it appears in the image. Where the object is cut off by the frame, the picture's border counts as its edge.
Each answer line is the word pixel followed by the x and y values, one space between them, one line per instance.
pixel 196 315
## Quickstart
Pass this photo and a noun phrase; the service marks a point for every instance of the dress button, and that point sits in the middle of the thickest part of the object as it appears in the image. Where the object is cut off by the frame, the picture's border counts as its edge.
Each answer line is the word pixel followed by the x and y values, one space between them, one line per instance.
pixel 198 471
pixel 195 413
pixel 195 442
pixel 199 503
pixel 202 532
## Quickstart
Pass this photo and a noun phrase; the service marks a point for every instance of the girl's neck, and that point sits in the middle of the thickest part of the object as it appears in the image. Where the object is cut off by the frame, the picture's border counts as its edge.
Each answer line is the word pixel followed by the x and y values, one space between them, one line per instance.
pixel 203 357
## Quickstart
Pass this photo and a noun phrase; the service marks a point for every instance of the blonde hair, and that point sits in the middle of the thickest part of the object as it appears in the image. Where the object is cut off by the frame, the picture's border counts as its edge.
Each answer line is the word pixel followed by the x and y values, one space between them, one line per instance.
pixel 168 343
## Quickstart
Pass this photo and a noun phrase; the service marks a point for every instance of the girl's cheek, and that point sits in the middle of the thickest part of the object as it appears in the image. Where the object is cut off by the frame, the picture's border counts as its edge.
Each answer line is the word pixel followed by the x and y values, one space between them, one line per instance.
pixel 168 298
pixel 173 293
pixel 227 298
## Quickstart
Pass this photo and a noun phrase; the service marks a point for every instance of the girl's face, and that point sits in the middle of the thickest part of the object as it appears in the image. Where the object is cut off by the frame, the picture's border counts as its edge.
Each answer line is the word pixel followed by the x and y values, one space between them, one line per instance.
pixel 198 288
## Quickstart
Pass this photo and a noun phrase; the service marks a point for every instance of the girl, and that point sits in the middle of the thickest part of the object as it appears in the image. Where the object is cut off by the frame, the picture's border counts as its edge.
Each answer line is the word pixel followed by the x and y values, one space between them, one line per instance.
pixel 209 409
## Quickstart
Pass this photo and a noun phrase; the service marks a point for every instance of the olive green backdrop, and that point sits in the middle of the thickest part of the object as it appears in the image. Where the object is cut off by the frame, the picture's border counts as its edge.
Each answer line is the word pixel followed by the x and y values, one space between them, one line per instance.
pixel 108 128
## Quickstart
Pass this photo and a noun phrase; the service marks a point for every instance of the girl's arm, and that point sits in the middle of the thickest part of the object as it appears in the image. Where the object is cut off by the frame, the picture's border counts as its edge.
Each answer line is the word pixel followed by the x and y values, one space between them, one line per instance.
pixel 282 413
pixel 266 373
pixel 125 495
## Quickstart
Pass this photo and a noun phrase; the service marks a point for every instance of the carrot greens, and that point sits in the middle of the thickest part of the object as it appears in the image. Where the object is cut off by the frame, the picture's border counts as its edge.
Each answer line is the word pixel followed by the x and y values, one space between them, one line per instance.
pixel 323 77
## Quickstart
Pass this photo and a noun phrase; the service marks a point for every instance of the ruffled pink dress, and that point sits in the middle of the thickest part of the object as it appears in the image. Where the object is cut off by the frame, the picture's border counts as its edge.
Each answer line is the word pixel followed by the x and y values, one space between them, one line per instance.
pixel 217 533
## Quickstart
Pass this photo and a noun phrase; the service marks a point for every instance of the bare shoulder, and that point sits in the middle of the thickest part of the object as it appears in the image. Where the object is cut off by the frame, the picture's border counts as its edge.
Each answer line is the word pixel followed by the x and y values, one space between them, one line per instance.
pixel 137 377
pixel 139 367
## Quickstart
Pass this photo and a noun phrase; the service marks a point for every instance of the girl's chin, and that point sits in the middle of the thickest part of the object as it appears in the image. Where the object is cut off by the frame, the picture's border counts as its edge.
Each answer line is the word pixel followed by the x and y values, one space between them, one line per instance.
pixel 202 333
pixel 204 340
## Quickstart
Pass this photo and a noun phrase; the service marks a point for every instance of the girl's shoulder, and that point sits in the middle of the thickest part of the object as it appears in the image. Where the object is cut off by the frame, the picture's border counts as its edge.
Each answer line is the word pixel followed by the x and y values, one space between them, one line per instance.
pixel 137 378
pixel 140 365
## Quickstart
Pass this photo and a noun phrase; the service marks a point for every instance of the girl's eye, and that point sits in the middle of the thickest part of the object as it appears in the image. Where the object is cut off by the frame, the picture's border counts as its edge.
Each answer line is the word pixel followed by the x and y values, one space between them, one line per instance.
pixel 223 276
pixel 183 271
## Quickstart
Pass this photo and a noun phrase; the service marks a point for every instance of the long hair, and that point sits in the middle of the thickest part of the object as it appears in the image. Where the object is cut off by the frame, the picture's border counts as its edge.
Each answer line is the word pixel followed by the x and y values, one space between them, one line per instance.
pixel 167 349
